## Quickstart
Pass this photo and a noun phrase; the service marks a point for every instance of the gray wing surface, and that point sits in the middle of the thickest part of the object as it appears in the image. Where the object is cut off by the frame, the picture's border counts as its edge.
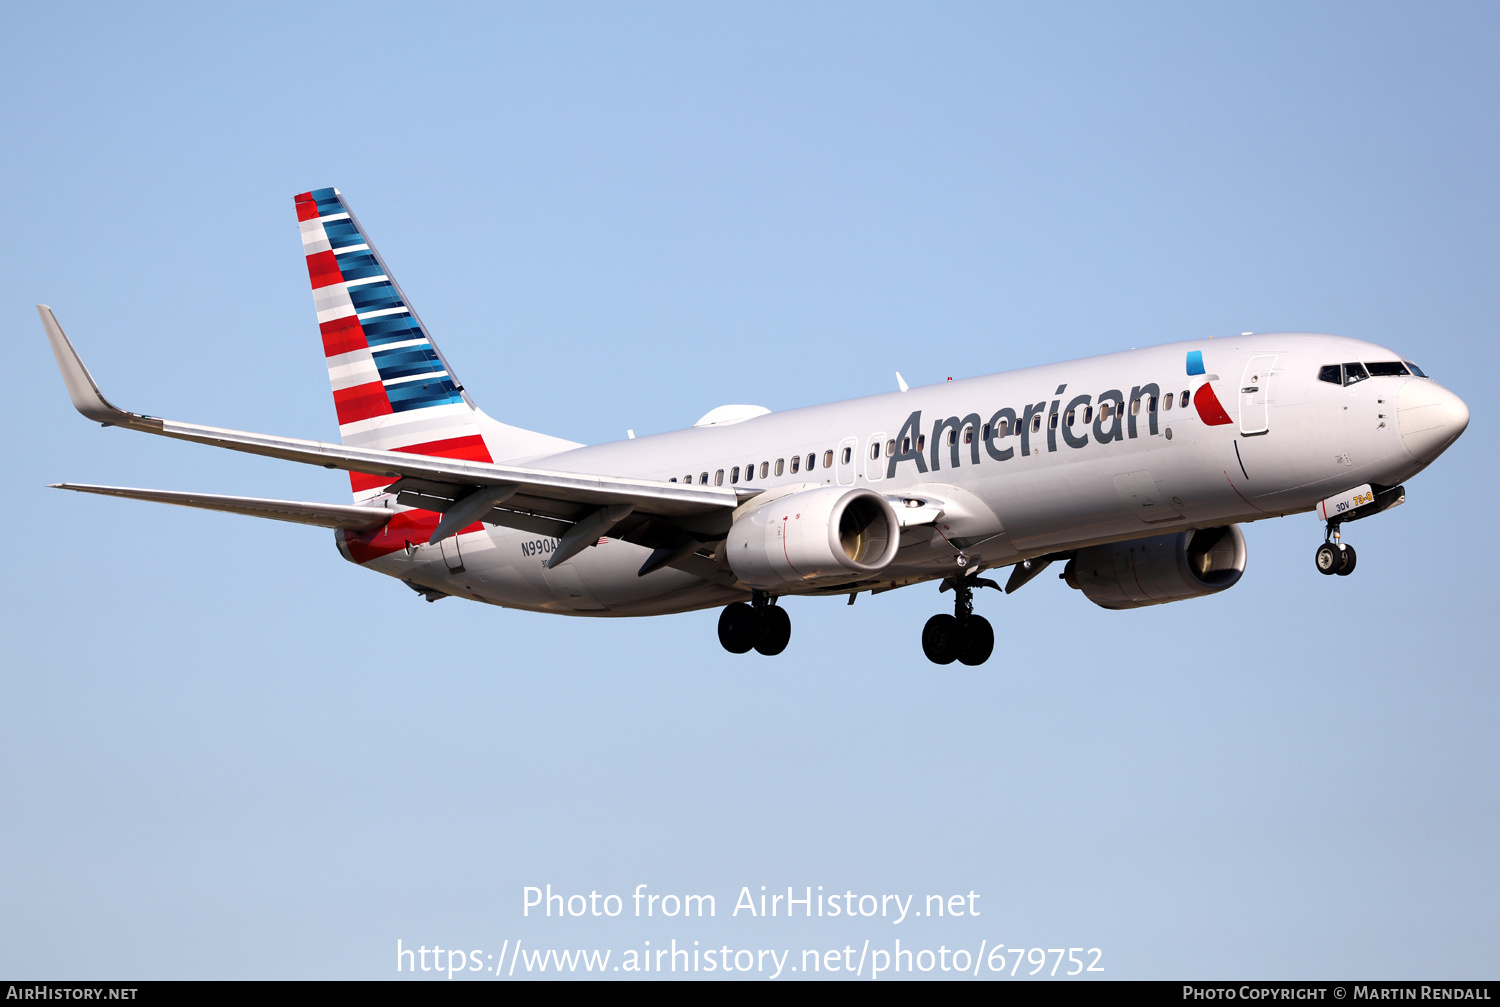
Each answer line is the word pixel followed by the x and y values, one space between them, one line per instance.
pixel 550 502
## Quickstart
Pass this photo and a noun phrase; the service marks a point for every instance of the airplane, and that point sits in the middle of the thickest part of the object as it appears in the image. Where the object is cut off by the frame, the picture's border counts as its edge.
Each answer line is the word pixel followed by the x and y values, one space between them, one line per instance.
pixel 1133 469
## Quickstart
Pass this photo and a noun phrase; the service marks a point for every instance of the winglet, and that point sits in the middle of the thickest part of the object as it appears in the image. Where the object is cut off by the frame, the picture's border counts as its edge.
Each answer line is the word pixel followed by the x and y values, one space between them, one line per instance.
pixel 82 388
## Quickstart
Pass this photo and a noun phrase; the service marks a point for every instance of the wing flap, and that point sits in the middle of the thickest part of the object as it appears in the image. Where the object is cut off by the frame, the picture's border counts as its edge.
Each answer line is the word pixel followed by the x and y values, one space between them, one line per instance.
pixel 350 516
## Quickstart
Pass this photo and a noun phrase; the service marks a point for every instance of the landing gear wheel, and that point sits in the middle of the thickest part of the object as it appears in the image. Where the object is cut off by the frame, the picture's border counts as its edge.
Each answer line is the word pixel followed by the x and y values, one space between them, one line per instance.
pixel 775 631
pixel 1328 559
pixel 942 639
pixel 739 627
pixel 1346 561
pixel 979 641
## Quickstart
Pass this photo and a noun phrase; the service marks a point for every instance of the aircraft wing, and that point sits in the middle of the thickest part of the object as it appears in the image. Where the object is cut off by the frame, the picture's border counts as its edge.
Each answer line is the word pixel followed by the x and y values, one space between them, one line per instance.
pixel 516 496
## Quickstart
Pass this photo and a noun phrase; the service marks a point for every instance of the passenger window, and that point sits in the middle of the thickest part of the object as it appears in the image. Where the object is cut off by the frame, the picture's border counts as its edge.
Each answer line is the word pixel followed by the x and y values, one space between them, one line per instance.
pixel 952 437
pixel 1151 404
pixel 1135 407
pixel 1354 373
pixel 1166 403
pixel 1333 374
pixel 811 462
pixel 986 431
pixel 1052 422
pixel 847 456
pixel 1005 426
pixel 1036 423
pixel 874 450
pixel 796 463
pixel 765 468
pixel 890 448
pixel 1069 417
pixel 1184 399
pixel 734 474
pixel 672 480
pixel 719 478
pixel 921 442
pixel 702 478
pixel 828 459
pixel 906 445
pixel 778 466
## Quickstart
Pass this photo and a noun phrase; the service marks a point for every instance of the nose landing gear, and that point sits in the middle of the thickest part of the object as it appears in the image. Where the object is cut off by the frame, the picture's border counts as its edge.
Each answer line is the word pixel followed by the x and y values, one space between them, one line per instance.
pixel 962 636
pixel 761 626
pixel 1333 556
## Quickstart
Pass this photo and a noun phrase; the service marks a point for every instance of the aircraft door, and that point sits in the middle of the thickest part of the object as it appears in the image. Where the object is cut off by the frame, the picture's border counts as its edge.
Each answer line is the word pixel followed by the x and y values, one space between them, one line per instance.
pixel 845 462
pixel 1255 407
pixel 874 463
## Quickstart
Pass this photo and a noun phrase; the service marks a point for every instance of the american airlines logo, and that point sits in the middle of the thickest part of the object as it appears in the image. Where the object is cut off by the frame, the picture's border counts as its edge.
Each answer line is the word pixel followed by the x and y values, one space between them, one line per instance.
pixel 1109 416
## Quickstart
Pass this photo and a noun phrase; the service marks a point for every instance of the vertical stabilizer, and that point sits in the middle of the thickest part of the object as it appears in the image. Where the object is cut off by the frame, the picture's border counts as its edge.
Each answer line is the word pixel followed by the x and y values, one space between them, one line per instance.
pixel 392 388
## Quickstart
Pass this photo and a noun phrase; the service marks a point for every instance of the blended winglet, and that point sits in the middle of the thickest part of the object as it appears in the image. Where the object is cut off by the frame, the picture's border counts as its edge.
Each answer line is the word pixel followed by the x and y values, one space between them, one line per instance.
pixel 82 388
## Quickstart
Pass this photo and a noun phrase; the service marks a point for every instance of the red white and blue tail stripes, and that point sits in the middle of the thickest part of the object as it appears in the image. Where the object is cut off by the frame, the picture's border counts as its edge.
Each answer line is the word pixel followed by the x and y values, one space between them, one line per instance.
pixel 391 387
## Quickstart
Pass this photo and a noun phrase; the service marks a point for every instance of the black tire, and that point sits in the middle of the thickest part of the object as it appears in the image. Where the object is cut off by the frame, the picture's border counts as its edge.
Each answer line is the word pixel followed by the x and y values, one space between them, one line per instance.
pixel 1346 561
pixel 775 632
pixel 739 627
pixel 942 639
pixel 1327 559
pixel 979 641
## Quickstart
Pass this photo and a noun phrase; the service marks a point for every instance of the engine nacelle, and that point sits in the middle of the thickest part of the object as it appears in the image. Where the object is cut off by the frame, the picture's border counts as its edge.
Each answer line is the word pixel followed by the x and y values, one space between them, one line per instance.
pixel 828 533
pixel 1154 571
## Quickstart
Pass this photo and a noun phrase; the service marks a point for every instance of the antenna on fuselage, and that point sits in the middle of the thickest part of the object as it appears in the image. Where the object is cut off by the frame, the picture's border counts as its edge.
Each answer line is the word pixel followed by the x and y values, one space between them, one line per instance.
pixel 901 382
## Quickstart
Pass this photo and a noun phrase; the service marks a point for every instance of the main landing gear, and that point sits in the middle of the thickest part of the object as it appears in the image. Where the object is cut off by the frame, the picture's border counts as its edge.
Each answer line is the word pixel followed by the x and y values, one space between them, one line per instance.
pixel 962 636
pixel 760 625
pixel 1333 556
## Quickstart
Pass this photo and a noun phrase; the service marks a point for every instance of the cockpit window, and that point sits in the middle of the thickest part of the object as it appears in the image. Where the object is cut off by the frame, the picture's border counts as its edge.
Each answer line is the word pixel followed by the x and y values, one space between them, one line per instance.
pixel 1333 374
pixel 1355 372
pixel 1387 369
pixel 1415 369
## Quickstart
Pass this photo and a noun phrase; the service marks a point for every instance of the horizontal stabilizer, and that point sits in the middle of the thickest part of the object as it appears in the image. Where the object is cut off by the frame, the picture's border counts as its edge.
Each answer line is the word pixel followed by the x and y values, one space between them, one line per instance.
pixel 352 517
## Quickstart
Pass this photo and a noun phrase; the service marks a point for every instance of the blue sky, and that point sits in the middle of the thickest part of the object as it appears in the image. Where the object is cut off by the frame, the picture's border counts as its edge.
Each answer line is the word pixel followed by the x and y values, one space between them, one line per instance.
pixel 229 753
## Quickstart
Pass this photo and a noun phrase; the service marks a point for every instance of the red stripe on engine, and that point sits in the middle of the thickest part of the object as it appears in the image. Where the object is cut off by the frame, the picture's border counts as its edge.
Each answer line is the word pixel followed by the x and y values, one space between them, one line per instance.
pixel 323 269
pixel 342 335
pixel 361 402
pixel 307 209
pixel 414 526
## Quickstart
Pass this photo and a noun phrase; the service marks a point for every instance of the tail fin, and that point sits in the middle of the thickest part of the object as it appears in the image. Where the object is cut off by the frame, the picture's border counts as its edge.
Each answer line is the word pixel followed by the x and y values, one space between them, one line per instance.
pixel 391 386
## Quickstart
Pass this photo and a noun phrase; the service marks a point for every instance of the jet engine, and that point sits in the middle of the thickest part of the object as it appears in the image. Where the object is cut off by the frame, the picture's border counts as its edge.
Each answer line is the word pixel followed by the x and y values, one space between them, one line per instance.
pixel 828 533
pixel 1154 571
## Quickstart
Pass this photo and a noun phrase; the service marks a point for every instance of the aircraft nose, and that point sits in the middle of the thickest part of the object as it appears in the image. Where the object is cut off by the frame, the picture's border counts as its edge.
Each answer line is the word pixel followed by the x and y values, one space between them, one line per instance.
pixel 1430 417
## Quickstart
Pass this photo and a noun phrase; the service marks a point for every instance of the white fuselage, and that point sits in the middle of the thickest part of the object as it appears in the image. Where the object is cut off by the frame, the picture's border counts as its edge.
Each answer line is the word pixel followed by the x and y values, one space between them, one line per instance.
pixel 1291 441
